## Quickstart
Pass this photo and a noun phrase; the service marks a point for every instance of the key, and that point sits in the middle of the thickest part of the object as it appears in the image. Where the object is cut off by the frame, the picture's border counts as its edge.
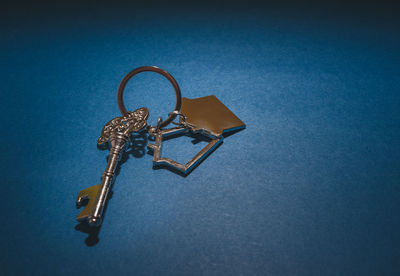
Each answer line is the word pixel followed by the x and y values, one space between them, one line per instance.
pixel 117 133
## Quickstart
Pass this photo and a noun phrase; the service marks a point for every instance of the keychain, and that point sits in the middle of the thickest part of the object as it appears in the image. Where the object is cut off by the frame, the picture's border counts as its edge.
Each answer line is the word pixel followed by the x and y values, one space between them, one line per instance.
pixel 204 116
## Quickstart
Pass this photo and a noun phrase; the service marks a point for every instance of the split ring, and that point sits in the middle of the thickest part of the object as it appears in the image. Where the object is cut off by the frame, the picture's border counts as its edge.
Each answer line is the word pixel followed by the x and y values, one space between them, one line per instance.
pixel 160 71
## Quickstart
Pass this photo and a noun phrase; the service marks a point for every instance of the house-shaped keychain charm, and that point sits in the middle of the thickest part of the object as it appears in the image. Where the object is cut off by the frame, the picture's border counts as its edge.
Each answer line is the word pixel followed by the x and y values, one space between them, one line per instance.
pixel 207 116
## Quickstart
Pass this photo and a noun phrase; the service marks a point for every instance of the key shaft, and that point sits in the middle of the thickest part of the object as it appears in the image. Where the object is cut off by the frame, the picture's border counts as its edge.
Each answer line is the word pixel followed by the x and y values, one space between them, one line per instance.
pixel 118 143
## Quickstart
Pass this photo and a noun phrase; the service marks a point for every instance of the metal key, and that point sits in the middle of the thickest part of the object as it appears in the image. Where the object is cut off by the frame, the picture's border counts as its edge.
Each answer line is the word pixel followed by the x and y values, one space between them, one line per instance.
pixel 117 133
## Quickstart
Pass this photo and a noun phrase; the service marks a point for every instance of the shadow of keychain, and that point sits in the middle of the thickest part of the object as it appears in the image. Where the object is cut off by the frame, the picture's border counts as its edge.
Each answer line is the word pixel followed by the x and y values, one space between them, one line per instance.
pixel 205 116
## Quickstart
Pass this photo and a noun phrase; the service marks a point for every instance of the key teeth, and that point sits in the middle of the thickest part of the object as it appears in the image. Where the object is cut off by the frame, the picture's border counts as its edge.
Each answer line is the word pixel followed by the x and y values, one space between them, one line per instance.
pixel 82 201
pixel 86 199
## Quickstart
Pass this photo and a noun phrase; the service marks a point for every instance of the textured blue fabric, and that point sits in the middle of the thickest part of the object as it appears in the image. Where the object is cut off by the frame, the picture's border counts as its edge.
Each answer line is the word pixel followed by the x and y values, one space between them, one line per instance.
pixel 310 187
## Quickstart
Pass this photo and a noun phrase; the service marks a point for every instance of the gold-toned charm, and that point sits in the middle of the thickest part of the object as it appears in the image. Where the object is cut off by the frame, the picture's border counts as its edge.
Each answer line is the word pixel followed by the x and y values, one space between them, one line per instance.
pixel 207 116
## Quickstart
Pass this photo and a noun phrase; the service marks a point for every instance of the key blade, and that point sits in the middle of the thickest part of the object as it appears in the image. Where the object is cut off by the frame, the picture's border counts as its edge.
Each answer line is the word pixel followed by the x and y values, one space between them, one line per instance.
pixel 87 199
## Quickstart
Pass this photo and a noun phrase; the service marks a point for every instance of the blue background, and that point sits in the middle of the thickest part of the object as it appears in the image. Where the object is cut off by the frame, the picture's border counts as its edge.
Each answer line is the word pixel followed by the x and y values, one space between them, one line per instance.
pixel 311 187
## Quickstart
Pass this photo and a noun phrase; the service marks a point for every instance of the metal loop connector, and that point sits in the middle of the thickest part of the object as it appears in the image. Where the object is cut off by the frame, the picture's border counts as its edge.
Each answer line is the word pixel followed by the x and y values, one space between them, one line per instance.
pixel 160 71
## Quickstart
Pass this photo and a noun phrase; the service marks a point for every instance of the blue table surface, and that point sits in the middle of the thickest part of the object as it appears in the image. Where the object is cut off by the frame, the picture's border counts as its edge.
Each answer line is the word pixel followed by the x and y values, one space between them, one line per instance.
pixel 310 187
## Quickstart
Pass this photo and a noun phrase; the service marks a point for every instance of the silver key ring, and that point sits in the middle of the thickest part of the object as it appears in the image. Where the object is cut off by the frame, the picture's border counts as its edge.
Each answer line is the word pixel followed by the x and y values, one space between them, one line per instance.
pixel 160 71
